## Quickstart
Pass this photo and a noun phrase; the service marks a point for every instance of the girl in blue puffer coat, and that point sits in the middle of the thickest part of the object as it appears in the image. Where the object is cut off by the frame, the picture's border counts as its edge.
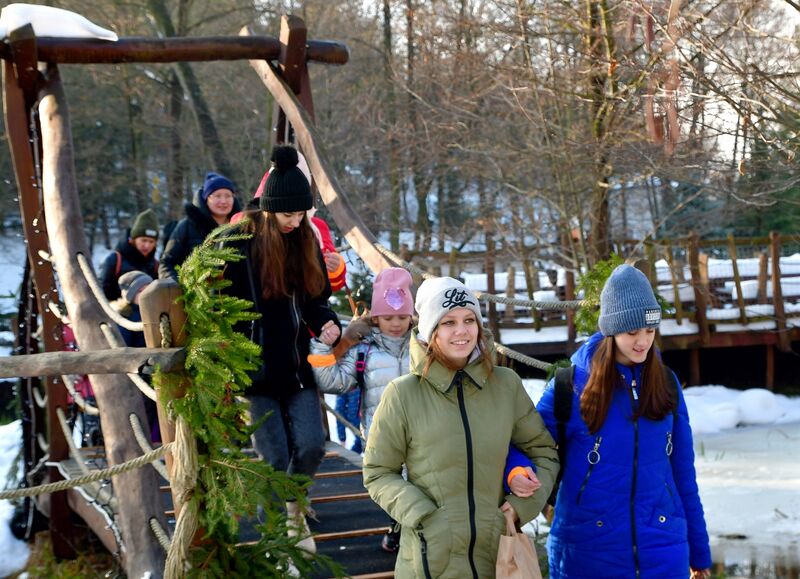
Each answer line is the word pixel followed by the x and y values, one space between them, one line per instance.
pixel 628 504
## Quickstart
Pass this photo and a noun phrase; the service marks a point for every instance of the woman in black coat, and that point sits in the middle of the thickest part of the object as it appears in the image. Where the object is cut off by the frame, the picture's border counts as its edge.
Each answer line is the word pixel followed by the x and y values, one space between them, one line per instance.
pixel 213 205
pixel 284 275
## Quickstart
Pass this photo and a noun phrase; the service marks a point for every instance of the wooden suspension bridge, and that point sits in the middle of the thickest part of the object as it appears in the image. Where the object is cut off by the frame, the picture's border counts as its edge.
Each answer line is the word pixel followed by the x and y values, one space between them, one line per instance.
pixel 37 122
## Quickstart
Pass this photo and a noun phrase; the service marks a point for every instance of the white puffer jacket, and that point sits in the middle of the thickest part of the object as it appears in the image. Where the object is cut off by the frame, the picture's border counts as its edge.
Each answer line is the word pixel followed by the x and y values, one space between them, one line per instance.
pixel 386 359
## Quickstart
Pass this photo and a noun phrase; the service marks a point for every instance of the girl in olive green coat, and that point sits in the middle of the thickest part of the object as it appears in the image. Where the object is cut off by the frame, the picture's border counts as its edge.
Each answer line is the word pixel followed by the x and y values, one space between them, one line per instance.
pixel 450 421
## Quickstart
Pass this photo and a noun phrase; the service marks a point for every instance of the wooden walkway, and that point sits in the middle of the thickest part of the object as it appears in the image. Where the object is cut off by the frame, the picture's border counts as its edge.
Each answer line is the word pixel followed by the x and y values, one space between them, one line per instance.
pixel 348 529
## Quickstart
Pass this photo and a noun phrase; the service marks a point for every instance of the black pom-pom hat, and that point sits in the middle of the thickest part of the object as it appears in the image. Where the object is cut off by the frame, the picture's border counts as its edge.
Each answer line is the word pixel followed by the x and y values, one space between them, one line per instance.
pixel 287 190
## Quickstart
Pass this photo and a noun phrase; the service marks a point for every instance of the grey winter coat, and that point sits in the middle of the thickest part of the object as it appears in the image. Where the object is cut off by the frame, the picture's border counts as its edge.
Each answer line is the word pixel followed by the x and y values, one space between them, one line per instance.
pixel 386 358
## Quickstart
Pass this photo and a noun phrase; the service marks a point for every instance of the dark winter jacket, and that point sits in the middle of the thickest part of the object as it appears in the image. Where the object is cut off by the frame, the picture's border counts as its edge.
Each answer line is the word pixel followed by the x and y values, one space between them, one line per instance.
pixel 283 330
pixel 129 259
pixel 633 510
pixel 190 232
pixel 452 430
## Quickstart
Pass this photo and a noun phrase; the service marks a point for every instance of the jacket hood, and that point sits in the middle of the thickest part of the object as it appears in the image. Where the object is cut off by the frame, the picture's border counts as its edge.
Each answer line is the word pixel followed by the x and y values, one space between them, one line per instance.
pixel 439 376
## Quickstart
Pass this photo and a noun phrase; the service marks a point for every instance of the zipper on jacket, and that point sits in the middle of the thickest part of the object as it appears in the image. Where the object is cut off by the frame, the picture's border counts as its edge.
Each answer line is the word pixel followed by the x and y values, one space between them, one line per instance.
pixel 668 447
pixel 296 318
pixel 633 389
pixel 459 383
pixel 592 457
pixel 423 546
pixel 633 493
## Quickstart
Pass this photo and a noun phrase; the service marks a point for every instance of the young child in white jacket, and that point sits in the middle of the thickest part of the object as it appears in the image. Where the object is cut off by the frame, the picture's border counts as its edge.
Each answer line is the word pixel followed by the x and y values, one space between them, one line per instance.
pixel 380 356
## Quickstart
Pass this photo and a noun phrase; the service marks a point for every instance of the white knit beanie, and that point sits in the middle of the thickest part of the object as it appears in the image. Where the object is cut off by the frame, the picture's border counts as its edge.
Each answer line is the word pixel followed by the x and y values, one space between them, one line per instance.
pixel 436 297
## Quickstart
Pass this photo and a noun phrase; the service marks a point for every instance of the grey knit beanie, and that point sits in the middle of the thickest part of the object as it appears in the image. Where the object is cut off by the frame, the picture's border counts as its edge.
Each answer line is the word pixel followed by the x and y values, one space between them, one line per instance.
pixel 436 297
pixel 132 282
pixel 627 302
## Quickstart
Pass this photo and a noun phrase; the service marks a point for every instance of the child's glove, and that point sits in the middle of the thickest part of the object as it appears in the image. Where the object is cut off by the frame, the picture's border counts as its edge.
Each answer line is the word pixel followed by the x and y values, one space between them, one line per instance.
pixel 523 482
pixel 356 330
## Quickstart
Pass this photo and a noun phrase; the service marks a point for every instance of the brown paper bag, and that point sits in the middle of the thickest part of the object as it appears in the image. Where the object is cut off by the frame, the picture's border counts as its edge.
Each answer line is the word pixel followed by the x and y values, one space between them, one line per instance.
pixel 516 556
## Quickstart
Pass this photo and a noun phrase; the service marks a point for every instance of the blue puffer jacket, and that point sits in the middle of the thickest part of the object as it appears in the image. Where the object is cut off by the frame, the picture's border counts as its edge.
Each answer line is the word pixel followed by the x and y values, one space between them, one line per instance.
pixel 626 507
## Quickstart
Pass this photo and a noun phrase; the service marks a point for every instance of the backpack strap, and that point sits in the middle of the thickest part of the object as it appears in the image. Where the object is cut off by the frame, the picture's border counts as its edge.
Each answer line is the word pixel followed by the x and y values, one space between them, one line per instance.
pixel 118 268
pixel 362 352
pixel 562 410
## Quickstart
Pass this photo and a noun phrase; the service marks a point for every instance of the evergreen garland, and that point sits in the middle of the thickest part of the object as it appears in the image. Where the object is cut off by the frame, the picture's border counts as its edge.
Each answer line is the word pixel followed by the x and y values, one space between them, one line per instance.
pixel 231 485
pixel 591 284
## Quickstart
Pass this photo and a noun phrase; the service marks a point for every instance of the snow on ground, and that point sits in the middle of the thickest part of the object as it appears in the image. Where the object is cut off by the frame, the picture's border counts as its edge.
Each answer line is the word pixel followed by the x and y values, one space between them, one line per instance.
pixel 13 553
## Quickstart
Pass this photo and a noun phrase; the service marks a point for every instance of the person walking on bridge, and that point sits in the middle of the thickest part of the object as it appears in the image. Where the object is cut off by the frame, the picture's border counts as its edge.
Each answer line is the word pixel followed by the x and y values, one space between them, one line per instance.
pixel 283 274
pixel 450 421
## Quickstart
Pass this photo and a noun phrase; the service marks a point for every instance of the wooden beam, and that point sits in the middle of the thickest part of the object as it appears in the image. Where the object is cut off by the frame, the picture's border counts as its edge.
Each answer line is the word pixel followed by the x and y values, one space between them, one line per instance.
pixel 117 361
pixel 699 287
pixel 176 49
pixel 21 82
pixel 777 292
pixel 737 279
pixel 347 219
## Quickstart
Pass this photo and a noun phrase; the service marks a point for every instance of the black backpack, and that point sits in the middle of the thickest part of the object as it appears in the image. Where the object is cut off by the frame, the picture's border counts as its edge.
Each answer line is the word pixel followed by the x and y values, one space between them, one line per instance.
pixel 562 409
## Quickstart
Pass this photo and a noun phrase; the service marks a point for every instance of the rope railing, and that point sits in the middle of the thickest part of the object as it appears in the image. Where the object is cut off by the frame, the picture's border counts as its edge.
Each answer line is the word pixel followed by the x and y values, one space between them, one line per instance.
pixel 144 444
pixel 97 291
pixel 161 535
pixel 93 477
pixel 529 361
pixel 78 397
pixel 115 343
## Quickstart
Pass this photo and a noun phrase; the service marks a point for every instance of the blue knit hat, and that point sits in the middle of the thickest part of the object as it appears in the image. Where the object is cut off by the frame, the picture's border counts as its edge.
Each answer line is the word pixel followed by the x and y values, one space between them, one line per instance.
pixel 627 302
pixel 213 182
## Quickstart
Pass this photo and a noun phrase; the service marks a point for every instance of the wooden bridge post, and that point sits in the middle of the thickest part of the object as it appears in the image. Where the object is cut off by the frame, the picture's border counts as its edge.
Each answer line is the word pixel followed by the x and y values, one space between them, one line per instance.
pixel 569 295
pixel 700 289
pixel 763 269
pixel 157 300
pixel 676 290
pixel 777 292
pixel 737 279
pixel 511 292
pixel 21 81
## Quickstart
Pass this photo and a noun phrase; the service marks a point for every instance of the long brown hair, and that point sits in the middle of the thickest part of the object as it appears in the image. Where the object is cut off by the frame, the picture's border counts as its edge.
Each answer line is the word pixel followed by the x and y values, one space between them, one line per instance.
pixel 434 353
pixel 286 262
pixel 655 401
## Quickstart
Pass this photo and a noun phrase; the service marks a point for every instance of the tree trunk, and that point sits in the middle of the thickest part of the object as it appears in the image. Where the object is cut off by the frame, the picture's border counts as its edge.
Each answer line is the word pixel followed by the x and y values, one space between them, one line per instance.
pixel 190 84
pixel 175 177
pixel 137 491
pixel 420 189
pixel 391 130
pixel 600 52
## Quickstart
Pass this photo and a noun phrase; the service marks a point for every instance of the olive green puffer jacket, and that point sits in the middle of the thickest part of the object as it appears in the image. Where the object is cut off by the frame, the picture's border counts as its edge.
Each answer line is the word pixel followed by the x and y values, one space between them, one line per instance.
pixel 452 431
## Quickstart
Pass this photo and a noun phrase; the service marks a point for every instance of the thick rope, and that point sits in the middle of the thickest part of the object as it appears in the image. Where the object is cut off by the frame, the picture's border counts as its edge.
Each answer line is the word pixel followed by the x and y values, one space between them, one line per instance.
pixel 88 274
pixel 73 450
pixel 144 444
pixel 137 380
pixel 93 477
pixel 166 331
pixel 161 535
pixel 184 478
pixel 344 421
pixel 79 400
pixel 39 398
pixel 514 355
